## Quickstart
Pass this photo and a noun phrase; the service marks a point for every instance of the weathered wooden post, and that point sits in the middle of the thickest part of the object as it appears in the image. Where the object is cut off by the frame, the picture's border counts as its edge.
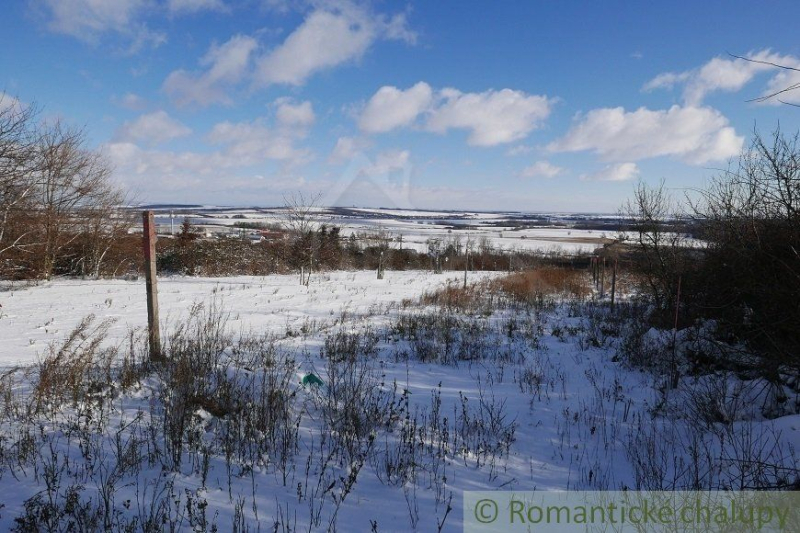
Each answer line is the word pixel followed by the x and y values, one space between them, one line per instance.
pixel 149 242
pixel 466 264
pixel 613 283
pixel 603 278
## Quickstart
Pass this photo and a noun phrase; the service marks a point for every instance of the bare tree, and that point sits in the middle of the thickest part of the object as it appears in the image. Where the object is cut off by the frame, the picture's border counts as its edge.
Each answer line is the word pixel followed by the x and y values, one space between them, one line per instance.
pixel 654 215
pixel 469 245
pixel 17 148
pixel 72 183
pixel 56 197
pixel 434 245
pixel 380 242
pixel 302 225
pixel 102 224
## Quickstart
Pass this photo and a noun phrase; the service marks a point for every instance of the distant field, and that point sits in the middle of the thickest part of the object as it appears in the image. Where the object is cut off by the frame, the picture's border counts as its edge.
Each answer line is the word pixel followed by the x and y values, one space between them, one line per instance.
pixel 507 231
pixel 33 318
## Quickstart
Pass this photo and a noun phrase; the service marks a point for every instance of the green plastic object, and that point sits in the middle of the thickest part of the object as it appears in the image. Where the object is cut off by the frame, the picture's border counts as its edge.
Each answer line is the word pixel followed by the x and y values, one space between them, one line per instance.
pixel 312 379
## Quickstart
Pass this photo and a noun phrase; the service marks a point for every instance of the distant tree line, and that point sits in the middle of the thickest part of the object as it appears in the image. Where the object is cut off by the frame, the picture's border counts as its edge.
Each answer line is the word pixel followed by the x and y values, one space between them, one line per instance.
pixel 59 209
pixel 322 248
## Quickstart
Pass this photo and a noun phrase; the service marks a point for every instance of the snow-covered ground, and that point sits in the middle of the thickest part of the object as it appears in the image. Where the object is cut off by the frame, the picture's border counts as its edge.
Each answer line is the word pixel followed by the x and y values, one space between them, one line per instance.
pixel 533 399
pixel 34 317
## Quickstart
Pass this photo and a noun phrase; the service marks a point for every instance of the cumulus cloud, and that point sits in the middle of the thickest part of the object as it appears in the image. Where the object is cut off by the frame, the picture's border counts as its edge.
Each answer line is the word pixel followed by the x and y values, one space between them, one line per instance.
pixel 728 75
pixel 152 128
pixel 519 149
pixel 195 6
pixel 492 117
pixel 131 101
pixel 253 141
pixel 226 65
pixel 615 172
pixel 541 169
pixel 331 35
pixel 695 135
pixel 292 115
pixel 346 149
pixel 231 148
pixel 89 20
pixel 391 108
pixel 386 163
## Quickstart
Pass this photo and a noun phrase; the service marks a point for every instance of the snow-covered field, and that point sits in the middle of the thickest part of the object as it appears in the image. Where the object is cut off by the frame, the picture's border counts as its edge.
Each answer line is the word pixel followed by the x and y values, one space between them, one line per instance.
pixel 510 398
pixel 500 230
pixel 33 318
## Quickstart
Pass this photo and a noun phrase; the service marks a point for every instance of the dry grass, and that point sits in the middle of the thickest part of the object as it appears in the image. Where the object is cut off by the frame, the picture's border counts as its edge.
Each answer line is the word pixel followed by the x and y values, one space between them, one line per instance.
pixel 76 370
pixel 456 296
pixel 526 287
pixel 548 281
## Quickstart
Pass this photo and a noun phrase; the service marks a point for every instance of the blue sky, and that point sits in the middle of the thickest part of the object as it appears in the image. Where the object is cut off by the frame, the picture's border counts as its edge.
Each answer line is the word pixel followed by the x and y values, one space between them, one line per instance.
pixel 538 106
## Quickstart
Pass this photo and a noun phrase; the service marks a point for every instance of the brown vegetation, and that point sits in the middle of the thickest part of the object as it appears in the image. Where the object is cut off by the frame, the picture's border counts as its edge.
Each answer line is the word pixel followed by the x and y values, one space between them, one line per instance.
pixel 528 284
pixel 60 213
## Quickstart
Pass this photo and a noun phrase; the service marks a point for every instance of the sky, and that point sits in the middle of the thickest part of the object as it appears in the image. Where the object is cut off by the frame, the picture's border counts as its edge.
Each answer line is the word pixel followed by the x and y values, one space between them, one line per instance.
pixel 474 105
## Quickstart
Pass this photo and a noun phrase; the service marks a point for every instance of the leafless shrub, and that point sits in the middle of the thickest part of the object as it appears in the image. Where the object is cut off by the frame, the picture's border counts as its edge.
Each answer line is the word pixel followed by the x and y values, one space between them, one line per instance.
pixel 77 370
pixel 348 346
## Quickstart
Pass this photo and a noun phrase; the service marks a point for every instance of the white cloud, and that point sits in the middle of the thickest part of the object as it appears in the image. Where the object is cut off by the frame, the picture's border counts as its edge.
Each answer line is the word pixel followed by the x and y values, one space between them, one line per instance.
pixel 152 128
pixel 386 163
pixel 233 148
pixel 131 101
pixel 666 80
pixel 88 20
pixel 293 115
pixel 346 149
pixel 493 117
pixel 227 65
pixel 391 107
pixel 330 35
pixel 695 135
pixel 725 74
pixel 195 6
pixel 541 169
pixel 333 33
pixel 251 142
pixel 615 172
pixel 519 149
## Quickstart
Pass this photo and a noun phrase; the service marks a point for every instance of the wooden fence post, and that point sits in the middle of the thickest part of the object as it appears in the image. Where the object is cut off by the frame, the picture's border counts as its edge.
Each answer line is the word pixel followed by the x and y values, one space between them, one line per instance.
pixel 149 242
pixel 613 284
pixel 602 277
pixel 466 264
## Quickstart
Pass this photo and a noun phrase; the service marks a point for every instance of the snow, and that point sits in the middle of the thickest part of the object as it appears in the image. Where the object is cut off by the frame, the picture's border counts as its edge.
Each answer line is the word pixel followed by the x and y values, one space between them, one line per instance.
pixel 32 318
pixel 572 419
